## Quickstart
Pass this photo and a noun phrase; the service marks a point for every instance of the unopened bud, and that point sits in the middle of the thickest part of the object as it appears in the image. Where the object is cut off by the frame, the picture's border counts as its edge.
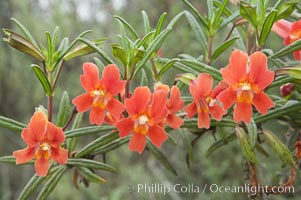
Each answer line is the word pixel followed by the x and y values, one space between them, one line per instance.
pixel 286 89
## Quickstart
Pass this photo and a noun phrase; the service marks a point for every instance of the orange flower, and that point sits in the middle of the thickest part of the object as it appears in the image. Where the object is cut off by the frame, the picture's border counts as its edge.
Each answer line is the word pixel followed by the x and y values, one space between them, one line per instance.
pixel 290 32
pixel 146 112
pixel 174 104
pixel 43 141
pixel 247 78
pixel 99 96
pixel 204 100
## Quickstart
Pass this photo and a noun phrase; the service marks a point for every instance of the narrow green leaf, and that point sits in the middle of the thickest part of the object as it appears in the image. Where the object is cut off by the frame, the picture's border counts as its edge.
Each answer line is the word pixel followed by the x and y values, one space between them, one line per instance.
pixel 145 39
pixel 50 50
pixel 55 36
pixel 249 13
pixel 261 10
pixel 97 49
pixel 253 133
pixel 280 80
pixel 111 146
pixel 175 19
pixel 286 9
pixel 147 27
pixel 219 12
pixel 167 66
pixel 279 148
pixel 12 160
pixel 90 176
pixel 160 24
pixel 43 79
pixel 99 142
pixel 25 32
pixel 220 49
pixel 88 130
pixel 288 49
pixel 229 19
pixel 71 142
pixel 210 9
pixel 181 67
pixel 294 71
pixel 153 47
pixel 187 143
pixel 144 80
pixel 91 164
pixel 128 27
pixel 161 157
pixel 245 145
pixel 64 110
pixel 219 144
pixel 119 53
pixel 11 124
pixel 64 45
pixel 51 183
pixel 197 29
pixel 267 26
pixel 99 63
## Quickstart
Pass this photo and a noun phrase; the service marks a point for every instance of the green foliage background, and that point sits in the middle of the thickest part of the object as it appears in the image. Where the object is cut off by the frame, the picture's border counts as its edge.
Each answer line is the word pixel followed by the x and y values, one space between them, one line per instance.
pixel 20 93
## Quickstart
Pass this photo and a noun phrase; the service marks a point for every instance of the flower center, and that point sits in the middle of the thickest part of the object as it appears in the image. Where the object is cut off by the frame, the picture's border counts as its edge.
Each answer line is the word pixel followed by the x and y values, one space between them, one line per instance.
pixel 141 125
pixel 43 150
pixel 244 93
pixel 202 105
pixel 295 35
pixel 101 98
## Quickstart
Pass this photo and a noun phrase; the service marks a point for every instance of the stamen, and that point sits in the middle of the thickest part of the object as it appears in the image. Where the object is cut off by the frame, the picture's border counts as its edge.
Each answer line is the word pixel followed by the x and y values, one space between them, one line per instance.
pixel 245 93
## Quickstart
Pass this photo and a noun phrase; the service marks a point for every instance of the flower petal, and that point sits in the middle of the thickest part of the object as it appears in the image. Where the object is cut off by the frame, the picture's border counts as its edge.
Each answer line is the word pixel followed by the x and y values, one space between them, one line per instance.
pixel 157 135
pixel 55 135
pixel 222 85
pixel 124 126
pixel 42 166
pixel 262 102
pixel 236 71
pixel 297 55
pixel 282 28
pixel 111 79
pixel 90 77
pixel 139 101
pixel 174 121
pixel 96 116
pixel 217 112
pixel 158 110
pixel 242 112
pixel 83 102
pixel 24 155
pixel 137 142
pixel 227 98
pixel 201 87
pixel 259 73
pixel 190 110
pixel 28 137
pixel 175 103
pixel 203 120
pixel 37 126
pixel 59 155
pixel 115 107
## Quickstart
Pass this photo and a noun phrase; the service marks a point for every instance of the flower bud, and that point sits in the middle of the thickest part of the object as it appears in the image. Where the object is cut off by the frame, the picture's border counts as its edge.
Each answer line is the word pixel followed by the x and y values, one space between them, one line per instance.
pixel 286 89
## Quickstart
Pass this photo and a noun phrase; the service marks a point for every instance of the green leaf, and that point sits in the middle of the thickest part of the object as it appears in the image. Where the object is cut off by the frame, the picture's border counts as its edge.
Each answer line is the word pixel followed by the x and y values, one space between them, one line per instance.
pixel 22 44
pixel 288 49
pixel 88 130
pixel 219 12
pixel 197 14
pixel 51 183
pixel 97 49
pixel 220 49
pixel 49 65
pixel 175 19
pixel 82 50
pixel 136 56
pixel 128 27
pixel 64 110
pixel 229 19
pixel 147 27
pixel 161 157
pixel 286 9
pixel 249 13
pixel 145 39
pixel 197 29
pixel 153 47
pixel 245 145
pixel 111 146
pixel 267 26
pixel 187 143
pixel 294 71
pixel 11 124
pixel 280 80
pixel 253 133
pixel 144 80
pixel 43 79
pixel 181 67
pixel 210 9
pixel 99 142
pixel 160 24
pixel 119 53
pixel 91 164
pixel 55 37
pixel 90 176
pixel 279 148
pixel 25 32
pixel 216 145
pixel 12 160
pixel 167 66
pixel 71 142
pixel 261 10
pixel 290 107
pixel 201 67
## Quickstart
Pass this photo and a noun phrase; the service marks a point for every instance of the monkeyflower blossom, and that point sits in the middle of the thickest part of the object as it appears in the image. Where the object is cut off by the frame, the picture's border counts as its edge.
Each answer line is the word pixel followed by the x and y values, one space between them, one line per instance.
pixel 247 77
pixel 43 141
pixel 290 32
pixel 146 112
pixel 174 104
pixel 99 96
pixel 204 100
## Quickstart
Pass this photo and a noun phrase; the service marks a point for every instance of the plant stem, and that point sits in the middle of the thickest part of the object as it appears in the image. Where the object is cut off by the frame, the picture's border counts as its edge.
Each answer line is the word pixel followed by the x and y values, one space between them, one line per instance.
pixel 209 50
pixel 74 111
pixel 57 76
pixel 49 107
